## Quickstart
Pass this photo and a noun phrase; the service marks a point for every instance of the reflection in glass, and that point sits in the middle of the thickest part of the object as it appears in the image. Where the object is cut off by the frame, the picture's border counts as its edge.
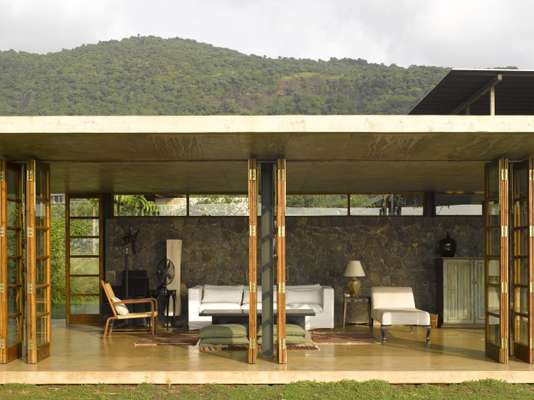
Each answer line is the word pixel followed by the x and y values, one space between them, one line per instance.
pixel 493 330
pixel 87 246
pixel 84 285
pixel 84 207
pixel 84 266
pixel 85 305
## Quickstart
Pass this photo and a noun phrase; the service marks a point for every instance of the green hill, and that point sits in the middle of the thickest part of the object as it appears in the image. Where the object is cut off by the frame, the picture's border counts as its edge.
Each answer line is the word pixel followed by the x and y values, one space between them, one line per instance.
pixel 149 75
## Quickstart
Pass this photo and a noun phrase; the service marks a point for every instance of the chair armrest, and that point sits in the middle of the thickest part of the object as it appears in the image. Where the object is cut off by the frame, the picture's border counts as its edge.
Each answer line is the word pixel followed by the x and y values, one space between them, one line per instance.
pixel 153 302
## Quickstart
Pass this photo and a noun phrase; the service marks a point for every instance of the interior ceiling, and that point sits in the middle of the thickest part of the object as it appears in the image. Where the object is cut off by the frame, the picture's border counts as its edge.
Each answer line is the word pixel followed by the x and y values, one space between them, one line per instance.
pixel 338 154
pixel 514 94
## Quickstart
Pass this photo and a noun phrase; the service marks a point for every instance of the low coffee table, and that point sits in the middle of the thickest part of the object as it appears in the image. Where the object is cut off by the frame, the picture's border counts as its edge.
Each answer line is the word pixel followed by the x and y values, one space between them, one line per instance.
pixel 297 317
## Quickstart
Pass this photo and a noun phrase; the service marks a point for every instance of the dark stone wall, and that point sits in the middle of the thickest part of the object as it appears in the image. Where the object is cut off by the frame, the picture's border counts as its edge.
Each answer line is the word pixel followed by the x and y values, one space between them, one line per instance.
pixel 397 251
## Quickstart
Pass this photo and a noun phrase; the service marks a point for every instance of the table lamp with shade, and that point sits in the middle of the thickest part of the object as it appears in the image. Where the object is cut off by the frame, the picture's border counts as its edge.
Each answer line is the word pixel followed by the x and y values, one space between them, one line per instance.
pixel 353 271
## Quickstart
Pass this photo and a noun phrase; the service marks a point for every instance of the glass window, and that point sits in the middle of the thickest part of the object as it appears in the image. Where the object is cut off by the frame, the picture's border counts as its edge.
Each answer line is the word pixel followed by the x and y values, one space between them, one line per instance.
pixel 316 204
pixel 154 205
pixel 386 204
pixel 458 203
pixel 218 205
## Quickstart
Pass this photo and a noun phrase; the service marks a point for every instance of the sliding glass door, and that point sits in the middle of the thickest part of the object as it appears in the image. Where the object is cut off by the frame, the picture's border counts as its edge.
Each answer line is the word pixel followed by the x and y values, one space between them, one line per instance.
pixel 522 261
pixel 38 288
pixel 496 259
pixel 11 261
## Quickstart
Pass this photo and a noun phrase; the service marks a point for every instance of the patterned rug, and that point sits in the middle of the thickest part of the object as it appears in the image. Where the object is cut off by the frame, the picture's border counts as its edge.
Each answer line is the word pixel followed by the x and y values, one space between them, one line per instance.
pixel 184 338
pixel 210 348
pixel 344 337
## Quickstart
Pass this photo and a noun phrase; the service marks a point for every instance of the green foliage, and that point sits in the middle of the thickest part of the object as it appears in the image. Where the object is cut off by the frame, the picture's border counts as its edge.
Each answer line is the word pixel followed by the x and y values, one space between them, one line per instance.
pixel 153 76
pixel 135 205
pixel 57 239
pixel 371 390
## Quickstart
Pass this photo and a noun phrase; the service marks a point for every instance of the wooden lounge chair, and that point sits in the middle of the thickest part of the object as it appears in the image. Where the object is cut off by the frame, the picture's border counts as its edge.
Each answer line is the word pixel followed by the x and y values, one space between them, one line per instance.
pixel 121 312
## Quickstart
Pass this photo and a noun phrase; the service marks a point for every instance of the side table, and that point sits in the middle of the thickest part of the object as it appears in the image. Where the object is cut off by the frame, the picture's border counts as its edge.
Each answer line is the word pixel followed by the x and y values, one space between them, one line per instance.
pixel 348 299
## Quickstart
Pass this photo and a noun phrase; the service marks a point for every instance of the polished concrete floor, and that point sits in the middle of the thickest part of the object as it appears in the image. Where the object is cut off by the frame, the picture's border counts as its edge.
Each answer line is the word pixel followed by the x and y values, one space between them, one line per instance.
pixel 81 355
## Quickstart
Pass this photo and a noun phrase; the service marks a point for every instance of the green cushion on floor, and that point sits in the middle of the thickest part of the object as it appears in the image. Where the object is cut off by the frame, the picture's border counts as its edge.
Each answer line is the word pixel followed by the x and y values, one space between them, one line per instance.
pixel 290 340
pixel 291 330
pixel 223 341
pixel 223 331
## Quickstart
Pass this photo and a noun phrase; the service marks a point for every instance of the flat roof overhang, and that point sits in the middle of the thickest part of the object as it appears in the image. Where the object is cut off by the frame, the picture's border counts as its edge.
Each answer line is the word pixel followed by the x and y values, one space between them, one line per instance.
pixel 208 154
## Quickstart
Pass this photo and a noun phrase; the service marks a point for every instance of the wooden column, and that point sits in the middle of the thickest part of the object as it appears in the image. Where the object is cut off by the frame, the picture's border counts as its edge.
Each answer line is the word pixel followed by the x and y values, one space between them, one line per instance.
pixel 281 258
pixel 252 259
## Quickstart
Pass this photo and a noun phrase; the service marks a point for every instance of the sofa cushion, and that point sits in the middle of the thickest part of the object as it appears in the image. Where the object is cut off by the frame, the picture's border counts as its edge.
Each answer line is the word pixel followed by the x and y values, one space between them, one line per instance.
pixel 218 306
pixel 291 330
pixel 290 340
pixel 222 294
pixel 392 297
pixel 223 341
pixel 400 316
pixel 259 294
pixel 304 306
pixel 223 331
pixel 312 295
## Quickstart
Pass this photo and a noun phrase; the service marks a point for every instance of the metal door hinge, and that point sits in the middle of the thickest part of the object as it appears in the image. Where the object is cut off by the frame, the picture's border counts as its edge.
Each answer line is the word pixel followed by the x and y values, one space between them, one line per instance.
pixel 281 231
pixel 282 287
pixel 504 174
pixel 252 344
pixel 252 230
pixel 531 286
pixel 252 174
pixel 252 287
pixel 504 287
pixel 30 288
pixel 531 230
pixel 504 343
pixel 531 174
pixel 2 344
pixel 29 232
pixel 2 176
pixel 504 231
pixel 2 231
pixel 31 345
pixel 29 175
pixel 2 288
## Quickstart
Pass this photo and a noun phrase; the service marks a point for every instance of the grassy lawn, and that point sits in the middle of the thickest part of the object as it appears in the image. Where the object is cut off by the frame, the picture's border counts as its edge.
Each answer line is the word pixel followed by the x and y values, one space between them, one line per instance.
pixel 306 391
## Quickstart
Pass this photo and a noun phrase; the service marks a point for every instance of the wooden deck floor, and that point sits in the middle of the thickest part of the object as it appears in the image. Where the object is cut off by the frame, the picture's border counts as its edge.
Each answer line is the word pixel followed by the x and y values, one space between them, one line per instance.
pixel 81 355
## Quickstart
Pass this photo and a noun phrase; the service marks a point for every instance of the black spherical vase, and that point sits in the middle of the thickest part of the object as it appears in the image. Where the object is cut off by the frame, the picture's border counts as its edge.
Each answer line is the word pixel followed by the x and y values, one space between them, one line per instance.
pixel 447 246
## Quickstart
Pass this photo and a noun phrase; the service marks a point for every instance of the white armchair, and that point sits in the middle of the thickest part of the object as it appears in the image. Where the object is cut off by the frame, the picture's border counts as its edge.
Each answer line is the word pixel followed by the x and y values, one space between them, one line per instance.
pixel 396 306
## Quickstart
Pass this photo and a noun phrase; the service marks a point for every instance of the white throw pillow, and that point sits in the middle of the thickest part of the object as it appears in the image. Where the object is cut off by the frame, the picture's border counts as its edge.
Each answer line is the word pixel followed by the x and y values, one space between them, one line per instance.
pixel 120 308
pixel 304 296
pixel 222 294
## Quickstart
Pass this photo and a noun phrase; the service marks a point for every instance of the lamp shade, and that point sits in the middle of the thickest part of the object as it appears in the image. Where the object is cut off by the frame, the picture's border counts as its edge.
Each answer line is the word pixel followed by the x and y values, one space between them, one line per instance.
pixel 354 269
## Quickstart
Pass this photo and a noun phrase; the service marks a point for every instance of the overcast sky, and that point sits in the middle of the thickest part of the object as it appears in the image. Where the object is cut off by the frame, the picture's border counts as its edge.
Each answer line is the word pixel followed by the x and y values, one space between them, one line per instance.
pixel 458 33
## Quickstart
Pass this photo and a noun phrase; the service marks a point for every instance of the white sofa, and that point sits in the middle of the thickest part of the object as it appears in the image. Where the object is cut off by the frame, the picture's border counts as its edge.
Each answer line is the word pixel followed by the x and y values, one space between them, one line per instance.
pixel 317 297
pixel 396 306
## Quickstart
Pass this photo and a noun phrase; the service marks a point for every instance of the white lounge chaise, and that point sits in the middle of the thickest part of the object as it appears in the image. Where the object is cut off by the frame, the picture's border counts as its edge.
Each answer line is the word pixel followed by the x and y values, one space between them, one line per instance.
pixel 396 306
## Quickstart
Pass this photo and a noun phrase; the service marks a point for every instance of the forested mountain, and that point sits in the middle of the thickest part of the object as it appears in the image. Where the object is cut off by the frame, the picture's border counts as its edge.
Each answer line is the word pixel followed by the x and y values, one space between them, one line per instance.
pixel 150 75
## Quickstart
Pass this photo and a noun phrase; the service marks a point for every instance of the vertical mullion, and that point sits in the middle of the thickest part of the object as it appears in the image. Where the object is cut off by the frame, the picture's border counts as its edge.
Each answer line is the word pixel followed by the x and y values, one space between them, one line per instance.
pixel 281 265
pixel 252 260
pixel 3 263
